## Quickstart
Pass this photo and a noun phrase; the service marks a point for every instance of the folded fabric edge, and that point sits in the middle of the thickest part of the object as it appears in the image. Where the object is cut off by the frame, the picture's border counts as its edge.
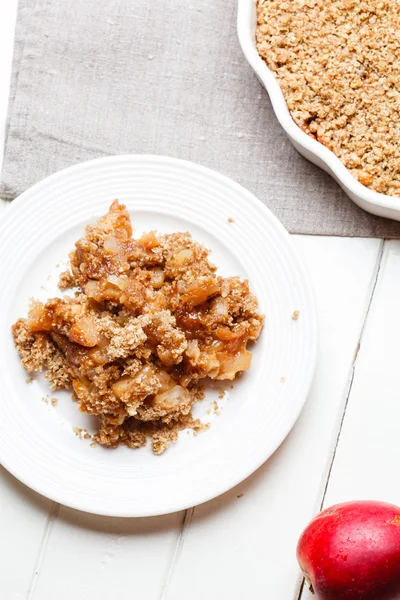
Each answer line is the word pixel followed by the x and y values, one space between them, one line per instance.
pixel 24 12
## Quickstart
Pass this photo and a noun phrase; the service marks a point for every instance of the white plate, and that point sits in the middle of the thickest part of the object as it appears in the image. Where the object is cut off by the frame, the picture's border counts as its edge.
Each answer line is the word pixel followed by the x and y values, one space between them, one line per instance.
pixel 377 204
pixel 37 441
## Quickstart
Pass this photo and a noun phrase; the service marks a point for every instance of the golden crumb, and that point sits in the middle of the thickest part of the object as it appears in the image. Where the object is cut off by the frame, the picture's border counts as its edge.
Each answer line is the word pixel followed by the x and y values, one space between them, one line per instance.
pixel 231 220
pixel 151 319
pixel 216 409
pixel 45 399
pixel 338 65
pixel 66 280
pixel 295 315
pixel 161 439
pixel 29 380
pixel 283 379
pixel 82 433
pixel 54 401
pixel 221 394
pixel 197 425
pixel 200 429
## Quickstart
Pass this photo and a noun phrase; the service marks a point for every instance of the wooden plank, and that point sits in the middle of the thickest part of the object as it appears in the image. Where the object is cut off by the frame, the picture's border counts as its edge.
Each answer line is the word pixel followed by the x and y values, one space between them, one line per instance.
pixel 23 522
pixel 100 557
pixel 23 514
pixel 368 452
pixel 242 545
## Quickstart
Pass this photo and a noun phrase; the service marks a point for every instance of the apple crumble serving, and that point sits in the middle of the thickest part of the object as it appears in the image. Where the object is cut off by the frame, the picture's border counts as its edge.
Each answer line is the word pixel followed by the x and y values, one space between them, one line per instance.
pixel 338 65
pixel 150 320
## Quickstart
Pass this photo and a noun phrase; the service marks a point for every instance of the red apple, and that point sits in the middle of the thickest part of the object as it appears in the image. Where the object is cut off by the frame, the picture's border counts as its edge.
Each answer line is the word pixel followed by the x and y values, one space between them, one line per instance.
pixel 351 551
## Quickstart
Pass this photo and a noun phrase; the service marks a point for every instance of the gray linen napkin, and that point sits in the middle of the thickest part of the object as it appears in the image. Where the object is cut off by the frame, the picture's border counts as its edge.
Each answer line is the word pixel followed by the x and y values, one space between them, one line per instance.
pixel 99 77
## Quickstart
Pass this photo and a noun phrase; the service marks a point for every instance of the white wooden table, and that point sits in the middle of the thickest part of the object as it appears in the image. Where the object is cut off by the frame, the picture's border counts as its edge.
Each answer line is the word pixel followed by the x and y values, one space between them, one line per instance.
pixel 344 446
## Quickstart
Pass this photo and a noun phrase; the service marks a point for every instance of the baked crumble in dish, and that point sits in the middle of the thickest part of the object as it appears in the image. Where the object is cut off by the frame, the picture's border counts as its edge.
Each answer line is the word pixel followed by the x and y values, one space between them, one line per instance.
pixel 338 65
pixel 151 320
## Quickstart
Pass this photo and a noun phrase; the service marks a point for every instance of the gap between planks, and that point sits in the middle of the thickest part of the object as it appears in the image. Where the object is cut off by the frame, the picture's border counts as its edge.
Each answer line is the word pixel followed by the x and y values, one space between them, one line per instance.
pixel 187 518
pixel 52 516
pixel 336 437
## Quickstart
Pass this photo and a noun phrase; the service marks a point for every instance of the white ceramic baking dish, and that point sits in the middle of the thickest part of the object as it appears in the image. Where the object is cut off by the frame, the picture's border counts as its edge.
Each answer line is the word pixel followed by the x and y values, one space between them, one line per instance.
pixel 377 204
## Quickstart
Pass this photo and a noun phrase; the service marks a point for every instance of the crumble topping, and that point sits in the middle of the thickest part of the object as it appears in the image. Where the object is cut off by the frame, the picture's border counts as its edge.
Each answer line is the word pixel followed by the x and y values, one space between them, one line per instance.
pixel 338 65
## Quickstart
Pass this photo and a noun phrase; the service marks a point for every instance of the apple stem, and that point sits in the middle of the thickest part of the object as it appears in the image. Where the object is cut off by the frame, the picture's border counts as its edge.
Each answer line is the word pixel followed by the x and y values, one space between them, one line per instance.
pixel 310 587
